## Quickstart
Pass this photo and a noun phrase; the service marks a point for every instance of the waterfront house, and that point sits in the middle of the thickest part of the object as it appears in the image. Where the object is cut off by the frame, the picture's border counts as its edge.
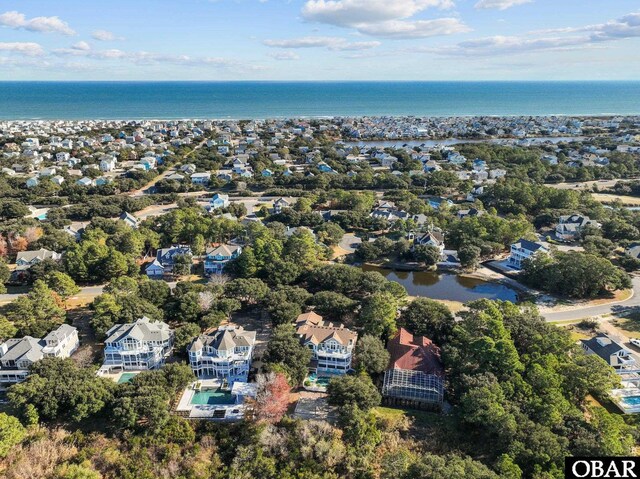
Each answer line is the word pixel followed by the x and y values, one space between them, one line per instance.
pixel 570 227
pixel 219 201
pixel 522 250
pixel 140 345
pixel 415 375
pixel 433 238
pixel 223 353
pixel 615 355
pixel 17 355
pixel 332 345
pixel 217 258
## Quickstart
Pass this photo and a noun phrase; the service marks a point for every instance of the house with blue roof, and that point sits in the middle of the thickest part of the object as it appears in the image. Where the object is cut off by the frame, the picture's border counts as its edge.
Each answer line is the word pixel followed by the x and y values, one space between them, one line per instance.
pixel 218 257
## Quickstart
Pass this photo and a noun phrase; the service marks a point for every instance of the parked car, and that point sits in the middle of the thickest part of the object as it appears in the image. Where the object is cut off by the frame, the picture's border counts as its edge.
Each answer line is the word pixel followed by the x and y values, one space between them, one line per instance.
pixel 635 342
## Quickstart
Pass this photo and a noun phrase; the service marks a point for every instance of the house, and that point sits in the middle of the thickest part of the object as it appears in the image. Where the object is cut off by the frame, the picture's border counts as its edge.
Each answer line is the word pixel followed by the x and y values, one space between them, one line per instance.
pixel 437 203
pixel 140 345
pixel 570 227
pixel 433 238
pixel 201 178
pixel 17 355
pixel 267 173
pixel 84 182
pixel 633 250
pixel 219 201
pixel 522 250
pixel 415 375
pixel 471 212
pixel 155 270
pixel 610 351
pixel 166 256
pixel 332 345
pixel 129 220
pixel 223 353
pixel 108 164
pixel 280 204
pixel 31 182
pixel 29 258
pixel 217 258
pixel 58 180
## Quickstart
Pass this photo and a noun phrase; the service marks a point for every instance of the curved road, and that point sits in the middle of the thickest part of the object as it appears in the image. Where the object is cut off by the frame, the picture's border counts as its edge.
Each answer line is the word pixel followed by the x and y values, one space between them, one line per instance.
pixel 599 310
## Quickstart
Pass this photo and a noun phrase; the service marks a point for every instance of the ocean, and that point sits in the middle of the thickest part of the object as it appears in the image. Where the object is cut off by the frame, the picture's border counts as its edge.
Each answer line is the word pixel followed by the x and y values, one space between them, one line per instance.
pixel 250 100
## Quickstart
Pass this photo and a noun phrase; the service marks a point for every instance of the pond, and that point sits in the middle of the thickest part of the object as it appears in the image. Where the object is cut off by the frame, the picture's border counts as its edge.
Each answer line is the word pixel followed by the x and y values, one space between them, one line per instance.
pixel 446 286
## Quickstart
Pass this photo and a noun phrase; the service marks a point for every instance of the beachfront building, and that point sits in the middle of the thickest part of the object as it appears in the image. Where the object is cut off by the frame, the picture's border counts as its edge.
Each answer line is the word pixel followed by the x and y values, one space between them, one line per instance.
pixel 218 257
pixel 223 353
pixel 332 345
pixel 522 250
pixel 415 376
pixel 17 355
pixel 137 346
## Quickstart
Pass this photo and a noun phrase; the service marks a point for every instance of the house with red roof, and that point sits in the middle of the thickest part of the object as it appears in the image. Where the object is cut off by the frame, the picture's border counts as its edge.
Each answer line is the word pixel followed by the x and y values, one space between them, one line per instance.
pixel 415 376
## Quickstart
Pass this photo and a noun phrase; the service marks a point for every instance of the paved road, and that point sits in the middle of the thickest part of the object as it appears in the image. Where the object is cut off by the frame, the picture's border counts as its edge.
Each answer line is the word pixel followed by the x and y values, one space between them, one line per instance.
pixel 600 310
pixel 88 292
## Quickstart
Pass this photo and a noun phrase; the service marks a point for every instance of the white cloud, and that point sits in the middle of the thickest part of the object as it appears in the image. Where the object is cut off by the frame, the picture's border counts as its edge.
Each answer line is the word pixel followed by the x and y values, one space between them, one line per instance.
pixel 331 43
pixel 83 49
pixel 627 26
pixel 500 4
pixel 23 48
pixel 17 21
pixel 347 13
pixel 384 18
pixel 415 29
pixel 285 56
pixel 105 36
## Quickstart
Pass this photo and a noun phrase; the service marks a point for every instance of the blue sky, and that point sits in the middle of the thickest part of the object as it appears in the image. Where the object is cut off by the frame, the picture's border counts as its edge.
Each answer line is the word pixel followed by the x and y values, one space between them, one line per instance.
pixel 320 40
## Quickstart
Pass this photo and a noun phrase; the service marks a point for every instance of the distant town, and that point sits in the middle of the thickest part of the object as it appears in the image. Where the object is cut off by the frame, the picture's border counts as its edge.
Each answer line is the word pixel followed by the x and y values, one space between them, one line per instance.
pixel 375 296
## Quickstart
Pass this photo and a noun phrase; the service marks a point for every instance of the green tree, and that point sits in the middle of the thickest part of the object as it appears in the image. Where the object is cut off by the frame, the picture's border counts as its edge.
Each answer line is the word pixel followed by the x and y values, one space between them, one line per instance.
pixel 426 317
pixel 347 390
pixel 62 284
pixel 184 335
pixel 371 355
pixel 59 389
pixel 286 353
pixel 378 314
pixel 36 313
pixel 11 433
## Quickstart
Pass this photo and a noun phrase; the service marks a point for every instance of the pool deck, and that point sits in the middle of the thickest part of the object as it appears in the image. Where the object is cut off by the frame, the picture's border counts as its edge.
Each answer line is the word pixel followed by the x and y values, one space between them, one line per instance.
pixel 232 412
pixel 618 396
pixel 115 377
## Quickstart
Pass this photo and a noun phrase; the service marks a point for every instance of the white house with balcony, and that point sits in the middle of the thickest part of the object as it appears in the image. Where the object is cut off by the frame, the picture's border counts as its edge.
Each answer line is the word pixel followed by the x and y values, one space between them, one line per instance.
pixel 137 346
pixel 223 353
pixel 522 250
pixel 218 257
pixel 17 355
pixel 615 355
pixel 332 345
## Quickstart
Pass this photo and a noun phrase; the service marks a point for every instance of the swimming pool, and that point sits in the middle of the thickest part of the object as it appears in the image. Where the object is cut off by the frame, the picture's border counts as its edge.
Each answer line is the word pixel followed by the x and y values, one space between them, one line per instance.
pixel 631 400
pixel 319 380
pixel 212 396
pixel 126 377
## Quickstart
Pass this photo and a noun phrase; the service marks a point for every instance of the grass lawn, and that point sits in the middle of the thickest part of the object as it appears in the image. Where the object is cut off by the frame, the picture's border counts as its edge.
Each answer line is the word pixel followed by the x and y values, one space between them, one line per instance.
pixel 607 198
pixel 630 325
